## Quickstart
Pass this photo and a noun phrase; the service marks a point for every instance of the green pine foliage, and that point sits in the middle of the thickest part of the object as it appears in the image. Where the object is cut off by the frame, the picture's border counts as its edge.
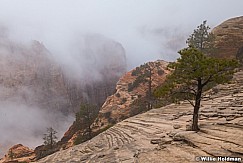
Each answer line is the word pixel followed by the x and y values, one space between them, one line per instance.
pixel 144 75
pixel 202 39
pixel 50 137
pixel 87 113
pixel 192 74
pixel 194 66
pixel 84 118
pixel 11 155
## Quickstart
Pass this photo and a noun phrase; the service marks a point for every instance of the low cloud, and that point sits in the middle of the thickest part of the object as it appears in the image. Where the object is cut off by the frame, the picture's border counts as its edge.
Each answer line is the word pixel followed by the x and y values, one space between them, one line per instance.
pixel 24 124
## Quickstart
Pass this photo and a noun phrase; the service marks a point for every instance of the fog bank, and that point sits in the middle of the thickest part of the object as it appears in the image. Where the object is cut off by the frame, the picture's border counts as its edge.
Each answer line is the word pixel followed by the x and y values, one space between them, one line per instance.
pixel 147 29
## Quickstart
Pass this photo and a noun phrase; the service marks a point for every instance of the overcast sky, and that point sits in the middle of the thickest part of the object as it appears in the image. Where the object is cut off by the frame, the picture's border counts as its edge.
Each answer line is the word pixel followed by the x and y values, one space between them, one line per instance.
pixel 148 29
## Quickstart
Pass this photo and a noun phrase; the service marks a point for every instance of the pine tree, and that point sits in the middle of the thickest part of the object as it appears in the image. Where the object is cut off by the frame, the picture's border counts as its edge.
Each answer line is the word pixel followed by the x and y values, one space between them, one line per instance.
pixel 50 137
pixel 202 39
pixel 144 74
pixel 11 155
pixel 192 74
pixel 86 117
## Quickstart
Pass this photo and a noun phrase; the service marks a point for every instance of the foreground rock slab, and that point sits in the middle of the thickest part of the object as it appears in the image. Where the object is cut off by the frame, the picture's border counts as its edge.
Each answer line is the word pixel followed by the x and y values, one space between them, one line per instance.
pixel 161 135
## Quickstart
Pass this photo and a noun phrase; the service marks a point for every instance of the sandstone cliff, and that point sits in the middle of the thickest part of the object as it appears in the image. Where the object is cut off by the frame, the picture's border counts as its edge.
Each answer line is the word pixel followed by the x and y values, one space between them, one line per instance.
pixel 160 135
pixel 229 38
pixel 31 75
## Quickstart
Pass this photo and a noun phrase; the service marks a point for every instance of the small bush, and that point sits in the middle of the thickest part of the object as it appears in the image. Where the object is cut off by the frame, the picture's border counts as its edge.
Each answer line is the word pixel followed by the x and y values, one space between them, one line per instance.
pixel 130 87
pixel 80 139
pixel 107 115
pixel 136 71
pixel 160 72
pixel 118 95
pixel 124 100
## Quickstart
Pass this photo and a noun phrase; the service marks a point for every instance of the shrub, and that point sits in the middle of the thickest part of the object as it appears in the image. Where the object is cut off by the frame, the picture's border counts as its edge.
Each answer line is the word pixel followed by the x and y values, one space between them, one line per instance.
pixel 118 95
pixel 123 100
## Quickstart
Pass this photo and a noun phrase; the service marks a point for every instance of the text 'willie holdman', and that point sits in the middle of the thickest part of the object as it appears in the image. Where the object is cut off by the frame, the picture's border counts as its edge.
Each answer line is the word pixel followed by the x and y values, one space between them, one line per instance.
pixel 219 158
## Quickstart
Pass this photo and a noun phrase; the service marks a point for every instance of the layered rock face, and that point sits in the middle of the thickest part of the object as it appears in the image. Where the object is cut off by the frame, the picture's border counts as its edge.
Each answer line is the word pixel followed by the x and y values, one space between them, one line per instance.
pixel 229 38
pixel 160 135
pixel 30 75
pixel 37 91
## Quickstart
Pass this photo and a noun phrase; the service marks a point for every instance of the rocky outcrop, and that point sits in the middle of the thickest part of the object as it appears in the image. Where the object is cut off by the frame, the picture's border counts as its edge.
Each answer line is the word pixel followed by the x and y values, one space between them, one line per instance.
pixel 161 135
pixel 18 153
pixel 229 38
pixel 122 104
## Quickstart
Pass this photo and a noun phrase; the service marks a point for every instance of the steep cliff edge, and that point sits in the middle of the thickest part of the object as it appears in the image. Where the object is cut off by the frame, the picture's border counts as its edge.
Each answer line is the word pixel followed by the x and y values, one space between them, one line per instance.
pixel 160 135
pixel 38 92
pixel 229 38
pixel 31 75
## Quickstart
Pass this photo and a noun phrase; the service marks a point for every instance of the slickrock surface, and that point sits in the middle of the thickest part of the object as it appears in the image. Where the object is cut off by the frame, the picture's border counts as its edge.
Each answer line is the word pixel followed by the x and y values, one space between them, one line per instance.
pixel 160 135
pixel 229 38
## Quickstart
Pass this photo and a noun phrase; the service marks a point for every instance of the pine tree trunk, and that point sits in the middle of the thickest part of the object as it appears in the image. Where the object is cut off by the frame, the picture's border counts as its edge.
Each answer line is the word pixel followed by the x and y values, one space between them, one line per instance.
pixel 197 106
pixel 89 132
pixel 51 137
pixel 195 119
pixel 150 90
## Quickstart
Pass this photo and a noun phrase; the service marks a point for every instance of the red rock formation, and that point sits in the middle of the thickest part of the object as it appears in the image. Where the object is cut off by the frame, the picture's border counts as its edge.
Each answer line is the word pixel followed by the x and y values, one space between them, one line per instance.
pixel 18 153
pixel 120 105
pixel 229 38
